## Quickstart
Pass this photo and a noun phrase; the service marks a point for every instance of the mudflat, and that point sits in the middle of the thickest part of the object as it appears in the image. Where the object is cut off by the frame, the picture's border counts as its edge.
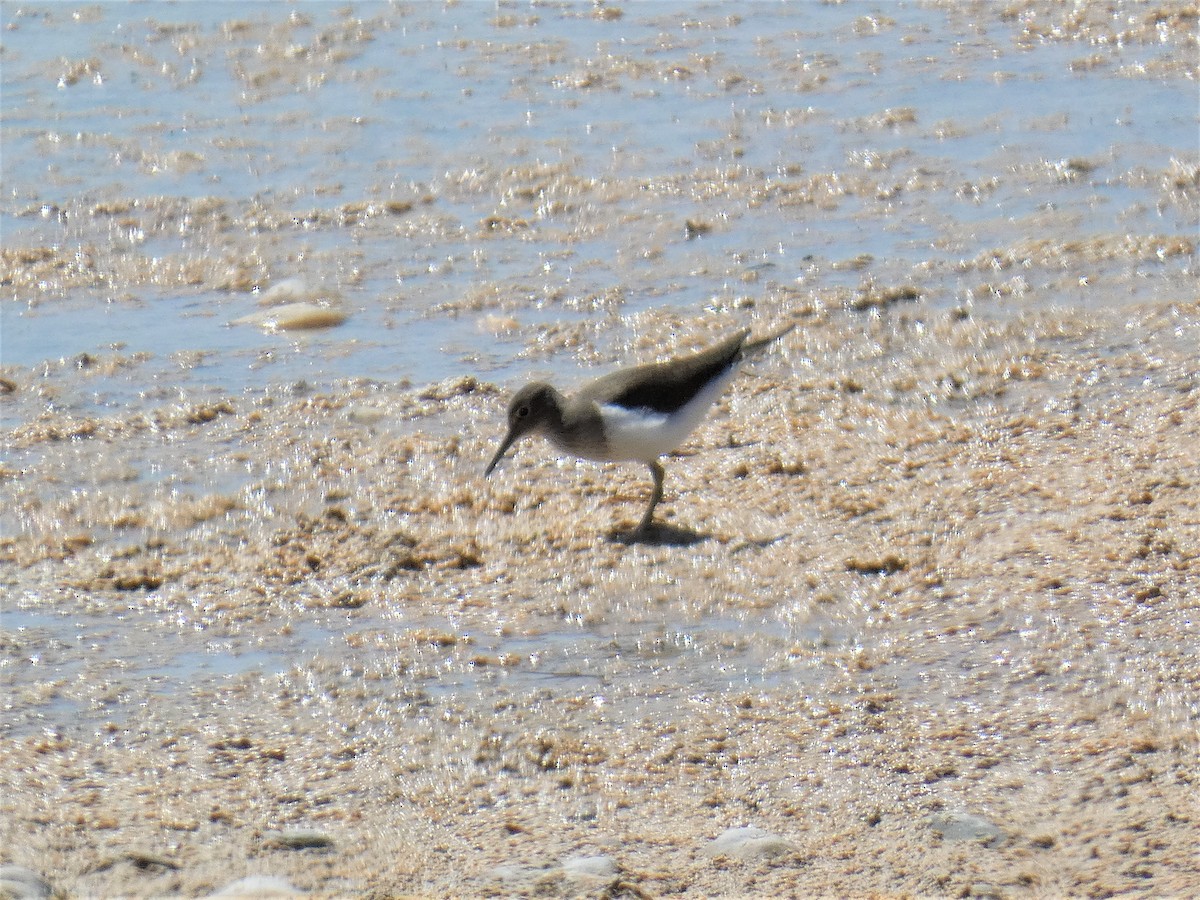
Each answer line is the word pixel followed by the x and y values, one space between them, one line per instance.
pixel 868 619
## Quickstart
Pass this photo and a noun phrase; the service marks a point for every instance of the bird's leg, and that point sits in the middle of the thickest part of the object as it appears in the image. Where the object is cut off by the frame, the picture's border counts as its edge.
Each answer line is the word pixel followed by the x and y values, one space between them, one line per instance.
pixel 656 470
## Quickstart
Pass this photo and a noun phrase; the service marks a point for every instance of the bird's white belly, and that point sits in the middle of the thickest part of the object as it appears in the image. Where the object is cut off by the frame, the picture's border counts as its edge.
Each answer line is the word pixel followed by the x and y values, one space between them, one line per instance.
pixel 640 434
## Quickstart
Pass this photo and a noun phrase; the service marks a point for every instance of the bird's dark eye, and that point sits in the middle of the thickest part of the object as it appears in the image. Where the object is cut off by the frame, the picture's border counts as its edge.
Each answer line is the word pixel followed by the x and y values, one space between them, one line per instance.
pixel 522 412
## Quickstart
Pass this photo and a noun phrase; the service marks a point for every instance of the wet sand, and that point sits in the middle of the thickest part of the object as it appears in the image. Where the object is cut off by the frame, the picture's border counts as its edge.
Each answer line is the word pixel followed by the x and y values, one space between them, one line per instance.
pixel 970 594
pixel 922 611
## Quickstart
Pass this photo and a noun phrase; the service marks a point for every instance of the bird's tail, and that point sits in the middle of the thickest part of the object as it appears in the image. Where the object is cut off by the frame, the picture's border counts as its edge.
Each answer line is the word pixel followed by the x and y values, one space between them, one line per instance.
pixel 750 348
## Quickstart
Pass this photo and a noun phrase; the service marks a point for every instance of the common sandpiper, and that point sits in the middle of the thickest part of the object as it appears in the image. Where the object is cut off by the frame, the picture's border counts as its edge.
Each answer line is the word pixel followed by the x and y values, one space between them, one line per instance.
pixel 636 414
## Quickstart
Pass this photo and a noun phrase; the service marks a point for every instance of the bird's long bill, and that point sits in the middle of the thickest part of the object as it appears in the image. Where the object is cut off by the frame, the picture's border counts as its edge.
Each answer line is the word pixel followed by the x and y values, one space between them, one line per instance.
pixel 504 445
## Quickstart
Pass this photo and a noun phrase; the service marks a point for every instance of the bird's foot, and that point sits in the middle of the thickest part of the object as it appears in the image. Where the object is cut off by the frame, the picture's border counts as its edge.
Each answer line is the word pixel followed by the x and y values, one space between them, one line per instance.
pixel 658 533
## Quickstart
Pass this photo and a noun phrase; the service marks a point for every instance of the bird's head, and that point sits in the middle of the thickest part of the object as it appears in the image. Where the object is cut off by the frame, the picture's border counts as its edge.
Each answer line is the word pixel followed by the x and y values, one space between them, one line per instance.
pixel 532 408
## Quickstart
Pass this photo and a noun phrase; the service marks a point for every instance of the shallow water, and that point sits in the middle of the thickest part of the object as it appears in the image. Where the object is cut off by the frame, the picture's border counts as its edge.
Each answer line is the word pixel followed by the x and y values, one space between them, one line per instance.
pixel 933 141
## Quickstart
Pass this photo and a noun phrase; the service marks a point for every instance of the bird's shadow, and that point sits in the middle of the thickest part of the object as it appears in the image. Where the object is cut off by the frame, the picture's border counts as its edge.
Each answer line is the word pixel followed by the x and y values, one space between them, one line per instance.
pixel 659 535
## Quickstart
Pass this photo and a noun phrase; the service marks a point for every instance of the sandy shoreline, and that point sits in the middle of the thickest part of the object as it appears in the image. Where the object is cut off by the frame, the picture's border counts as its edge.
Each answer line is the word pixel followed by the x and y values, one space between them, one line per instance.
pixel 974 614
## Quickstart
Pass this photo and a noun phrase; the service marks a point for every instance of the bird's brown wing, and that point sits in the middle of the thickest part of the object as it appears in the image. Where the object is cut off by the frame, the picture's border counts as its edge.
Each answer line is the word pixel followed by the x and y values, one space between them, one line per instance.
pixel 667 386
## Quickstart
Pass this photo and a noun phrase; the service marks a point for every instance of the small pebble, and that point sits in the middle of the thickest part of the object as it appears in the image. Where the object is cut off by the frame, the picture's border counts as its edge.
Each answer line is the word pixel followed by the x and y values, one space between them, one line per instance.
pixel 19 883
pixel 298 839
pixel 142 859
pixel 596 866
pixel 289 290
pixel 964 826
pixel 294 316
pixel 748 842
pixel 255 886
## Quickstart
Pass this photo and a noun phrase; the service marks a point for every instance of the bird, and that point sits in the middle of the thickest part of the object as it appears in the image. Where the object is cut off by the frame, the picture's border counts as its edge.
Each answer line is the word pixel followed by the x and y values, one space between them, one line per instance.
pixel 635 414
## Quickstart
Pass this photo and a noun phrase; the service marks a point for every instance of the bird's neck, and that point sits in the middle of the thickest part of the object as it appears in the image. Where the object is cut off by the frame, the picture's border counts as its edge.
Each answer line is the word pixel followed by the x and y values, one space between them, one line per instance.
pixel 557 411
